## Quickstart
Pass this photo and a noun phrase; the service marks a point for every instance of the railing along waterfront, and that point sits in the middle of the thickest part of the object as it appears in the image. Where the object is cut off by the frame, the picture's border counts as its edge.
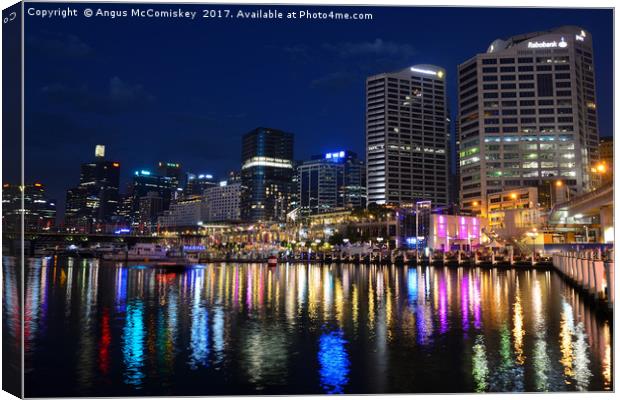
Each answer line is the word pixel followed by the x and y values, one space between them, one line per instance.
pixel 590 271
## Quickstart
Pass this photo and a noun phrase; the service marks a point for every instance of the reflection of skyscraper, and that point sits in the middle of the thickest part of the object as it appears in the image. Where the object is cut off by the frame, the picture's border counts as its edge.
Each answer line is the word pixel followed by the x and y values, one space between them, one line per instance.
pixel 407 136
pixel 527 112
pixel 96 199
pixel 267 171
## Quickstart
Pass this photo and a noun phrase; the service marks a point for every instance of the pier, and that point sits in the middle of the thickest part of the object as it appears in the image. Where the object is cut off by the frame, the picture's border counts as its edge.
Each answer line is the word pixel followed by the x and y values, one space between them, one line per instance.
pixel 589 271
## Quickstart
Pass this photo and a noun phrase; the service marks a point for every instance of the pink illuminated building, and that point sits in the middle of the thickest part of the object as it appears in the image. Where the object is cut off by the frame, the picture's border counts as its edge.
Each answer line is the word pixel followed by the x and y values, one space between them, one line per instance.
pixel 454 232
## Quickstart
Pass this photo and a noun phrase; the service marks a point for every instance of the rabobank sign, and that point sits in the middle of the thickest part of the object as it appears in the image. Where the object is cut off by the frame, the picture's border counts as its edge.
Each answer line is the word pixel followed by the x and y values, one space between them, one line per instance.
pixel 545 45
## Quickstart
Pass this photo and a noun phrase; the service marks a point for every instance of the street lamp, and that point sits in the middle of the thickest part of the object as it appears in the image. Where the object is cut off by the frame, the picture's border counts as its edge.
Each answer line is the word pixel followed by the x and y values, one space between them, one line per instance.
pixel 513 196
pixel 599 168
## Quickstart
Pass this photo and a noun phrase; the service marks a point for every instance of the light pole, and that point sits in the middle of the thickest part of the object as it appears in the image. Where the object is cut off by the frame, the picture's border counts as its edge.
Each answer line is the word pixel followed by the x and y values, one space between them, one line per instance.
pixel 513 196
pixel 533 234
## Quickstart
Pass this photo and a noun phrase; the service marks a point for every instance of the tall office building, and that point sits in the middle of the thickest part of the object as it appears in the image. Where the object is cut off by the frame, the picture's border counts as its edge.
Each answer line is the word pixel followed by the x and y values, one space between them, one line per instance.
pixel 331 181
pixel 527 115
pixel 175 173
pixel 150 207
pixel 186 213
pixel 144 182
pixel 407 136
pixel 80 207
pixel 266 174
pixel 198 183
pixel 224 202
pixel 39 212
pixel 95 200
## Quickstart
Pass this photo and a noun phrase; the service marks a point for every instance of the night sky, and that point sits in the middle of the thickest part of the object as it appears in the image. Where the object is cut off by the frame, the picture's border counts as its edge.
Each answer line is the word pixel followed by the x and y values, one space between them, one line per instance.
pixel 186 91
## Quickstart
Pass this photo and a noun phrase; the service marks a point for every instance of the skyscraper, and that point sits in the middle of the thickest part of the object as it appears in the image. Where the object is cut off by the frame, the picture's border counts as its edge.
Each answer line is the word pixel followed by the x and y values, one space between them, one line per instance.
pixel 407 136
pixel 150 207
pixel 96 199
pixel 223 202
pixel 39 212
pixel 330 181
pixel 527 114
pixel 198 183
pixel 173 171
pixel 266 174
pixel 145 182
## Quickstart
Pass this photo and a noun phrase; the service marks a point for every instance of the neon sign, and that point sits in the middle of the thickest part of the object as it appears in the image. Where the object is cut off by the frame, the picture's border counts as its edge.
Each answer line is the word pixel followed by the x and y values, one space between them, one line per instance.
pixel 545 45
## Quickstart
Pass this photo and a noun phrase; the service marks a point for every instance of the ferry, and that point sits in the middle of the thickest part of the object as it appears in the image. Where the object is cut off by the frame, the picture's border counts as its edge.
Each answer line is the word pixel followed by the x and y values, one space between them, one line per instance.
pixel 139 252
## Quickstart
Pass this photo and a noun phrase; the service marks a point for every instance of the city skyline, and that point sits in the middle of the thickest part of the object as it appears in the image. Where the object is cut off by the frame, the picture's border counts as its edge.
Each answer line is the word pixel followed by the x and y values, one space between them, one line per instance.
pixel 105 103
pixel 241 199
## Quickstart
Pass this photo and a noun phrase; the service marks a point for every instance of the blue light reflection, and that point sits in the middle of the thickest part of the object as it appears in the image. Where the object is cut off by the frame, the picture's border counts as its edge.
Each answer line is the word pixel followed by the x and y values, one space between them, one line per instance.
pixel 334 362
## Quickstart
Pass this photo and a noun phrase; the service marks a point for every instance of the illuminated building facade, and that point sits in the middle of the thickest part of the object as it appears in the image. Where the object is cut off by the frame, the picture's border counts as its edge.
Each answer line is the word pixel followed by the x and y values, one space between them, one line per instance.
pixel 454 232
pixel 330 181
pixel 39 211
pixel 527 115
pixel 185 213
pixel 150 207
pixel 407 136
pixel 606 153
pixel 143 183
pixel 173 171
pixel 512 212
pixel 266 175
pixel 95 201
pixel 223 202
pixel 198 183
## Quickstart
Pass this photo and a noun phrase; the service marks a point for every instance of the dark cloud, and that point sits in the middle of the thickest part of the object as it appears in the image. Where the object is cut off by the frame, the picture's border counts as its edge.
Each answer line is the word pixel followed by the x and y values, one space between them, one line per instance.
pixel 119 97
pixel 370 57
pixel 58 44
pixel 334 81
pixel 43 129
pixel 298 52
pixel 377 47
pixel 209 119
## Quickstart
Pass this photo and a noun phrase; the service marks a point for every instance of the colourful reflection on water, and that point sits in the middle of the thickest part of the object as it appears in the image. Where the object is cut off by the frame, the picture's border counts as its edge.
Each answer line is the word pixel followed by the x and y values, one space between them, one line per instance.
pixel 334 362
pixel 133 344
pixel 251 329
pixel 480 365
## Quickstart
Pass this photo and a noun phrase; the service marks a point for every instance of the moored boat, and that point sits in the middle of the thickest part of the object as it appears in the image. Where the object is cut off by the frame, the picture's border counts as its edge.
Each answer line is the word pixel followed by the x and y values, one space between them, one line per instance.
pixel 139 252
pixel 272 261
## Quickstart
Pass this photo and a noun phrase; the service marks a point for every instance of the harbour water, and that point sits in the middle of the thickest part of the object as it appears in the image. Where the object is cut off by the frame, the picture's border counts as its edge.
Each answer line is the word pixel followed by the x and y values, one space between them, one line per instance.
pixel 99 329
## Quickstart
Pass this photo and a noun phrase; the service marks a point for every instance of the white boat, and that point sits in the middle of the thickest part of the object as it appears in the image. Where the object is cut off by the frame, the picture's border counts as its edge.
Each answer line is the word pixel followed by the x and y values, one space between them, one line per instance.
pixel 103 248
pixel 139 252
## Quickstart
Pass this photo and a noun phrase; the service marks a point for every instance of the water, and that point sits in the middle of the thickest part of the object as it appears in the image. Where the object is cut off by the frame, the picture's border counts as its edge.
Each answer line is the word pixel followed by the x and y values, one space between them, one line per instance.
pixel 100 329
